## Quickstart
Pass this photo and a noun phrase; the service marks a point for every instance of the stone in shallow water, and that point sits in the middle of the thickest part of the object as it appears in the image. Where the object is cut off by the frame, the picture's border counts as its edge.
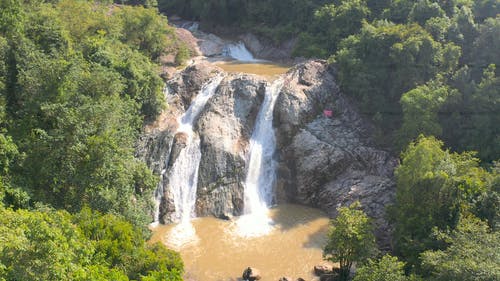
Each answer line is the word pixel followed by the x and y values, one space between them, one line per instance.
pixel 251 274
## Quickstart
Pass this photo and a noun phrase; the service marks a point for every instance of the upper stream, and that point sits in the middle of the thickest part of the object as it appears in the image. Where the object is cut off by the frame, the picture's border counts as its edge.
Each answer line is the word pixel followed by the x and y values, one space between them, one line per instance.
pixel 265 69
pixel 244 62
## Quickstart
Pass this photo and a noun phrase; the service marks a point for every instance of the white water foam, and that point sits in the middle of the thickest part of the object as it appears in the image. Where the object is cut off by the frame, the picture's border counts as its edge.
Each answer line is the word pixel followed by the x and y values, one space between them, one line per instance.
pixel 261 175
pixel 238 51
pixel 181 235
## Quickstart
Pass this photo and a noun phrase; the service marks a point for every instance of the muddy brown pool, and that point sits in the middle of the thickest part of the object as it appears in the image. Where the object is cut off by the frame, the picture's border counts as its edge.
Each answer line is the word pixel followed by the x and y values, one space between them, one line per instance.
pixel 214 250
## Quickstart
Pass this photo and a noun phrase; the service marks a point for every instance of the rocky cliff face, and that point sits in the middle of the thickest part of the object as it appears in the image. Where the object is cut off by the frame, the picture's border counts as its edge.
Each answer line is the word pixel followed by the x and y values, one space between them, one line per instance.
pixel 329 162
pixel 324 162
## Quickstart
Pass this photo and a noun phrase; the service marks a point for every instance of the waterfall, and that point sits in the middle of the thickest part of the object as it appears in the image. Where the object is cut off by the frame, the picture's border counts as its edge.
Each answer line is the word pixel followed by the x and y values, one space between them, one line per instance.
pixel 238 51
pixel 183 176
pixel 261 174
pixel 261 168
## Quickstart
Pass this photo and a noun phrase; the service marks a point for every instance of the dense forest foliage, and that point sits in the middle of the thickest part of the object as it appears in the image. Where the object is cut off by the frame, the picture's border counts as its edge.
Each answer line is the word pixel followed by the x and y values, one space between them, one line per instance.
pixel 415 68
pixel 78 79
pixel 44 244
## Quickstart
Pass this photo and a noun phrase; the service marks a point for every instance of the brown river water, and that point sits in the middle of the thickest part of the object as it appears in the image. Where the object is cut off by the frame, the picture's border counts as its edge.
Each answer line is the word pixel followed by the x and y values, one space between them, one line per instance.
pixel 216 250
pixel 265 69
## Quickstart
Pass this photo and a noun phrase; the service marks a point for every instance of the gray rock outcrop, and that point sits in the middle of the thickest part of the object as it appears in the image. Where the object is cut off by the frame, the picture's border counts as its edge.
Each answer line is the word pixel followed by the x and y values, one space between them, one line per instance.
pixel 224 128
pixel 324 162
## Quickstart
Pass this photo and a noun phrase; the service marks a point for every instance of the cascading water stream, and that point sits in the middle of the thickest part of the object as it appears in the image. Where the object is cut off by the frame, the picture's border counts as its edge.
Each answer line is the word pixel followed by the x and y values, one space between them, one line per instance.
pixel 238 51
pixel 261 173
pixel 183 176
pixel 184 173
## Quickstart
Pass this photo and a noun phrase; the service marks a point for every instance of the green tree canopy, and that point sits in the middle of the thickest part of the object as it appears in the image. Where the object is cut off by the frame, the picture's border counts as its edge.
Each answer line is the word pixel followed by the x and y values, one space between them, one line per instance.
pixel 388 268
pixel 78 79
pixel 54 245
pixel 350 239
pixel 434 188
pixel 386 60
pixel 420 111
pixel 472 254
pixel 332 23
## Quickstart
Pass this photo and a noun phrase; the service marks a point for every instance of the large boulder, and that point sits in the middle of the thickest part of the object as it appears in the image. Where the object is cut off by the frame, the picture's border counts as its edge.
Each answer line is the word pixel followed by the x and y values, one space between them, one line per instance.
pixel 210 45
pixel 154 149
pixel 266 49
pixel 185 85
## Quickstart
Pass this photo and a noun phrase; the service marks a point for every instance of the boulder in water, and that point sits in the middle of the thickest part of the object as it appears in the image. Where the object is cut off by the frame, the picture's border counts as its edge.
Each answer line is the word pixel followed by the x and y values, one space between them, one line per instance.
pixel 285 279
pixel 226 217
pixel 251 274
pixel 322 269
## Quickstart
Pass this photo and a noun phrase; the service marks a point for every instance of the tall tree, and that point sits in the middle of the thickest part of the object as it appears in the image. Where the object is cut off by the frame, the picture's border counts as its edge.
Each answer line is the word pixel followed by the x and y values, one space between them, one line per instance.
pixel 420 111
pixel 350 239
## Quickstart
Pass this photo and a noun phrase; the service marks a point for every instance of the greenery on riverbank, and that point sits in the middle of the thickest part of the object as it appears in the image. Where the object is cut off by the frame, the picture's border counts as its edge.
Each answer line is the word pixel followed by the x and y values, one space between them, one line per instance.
pixel 78 79
pixel 45 244
pixel 446 221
